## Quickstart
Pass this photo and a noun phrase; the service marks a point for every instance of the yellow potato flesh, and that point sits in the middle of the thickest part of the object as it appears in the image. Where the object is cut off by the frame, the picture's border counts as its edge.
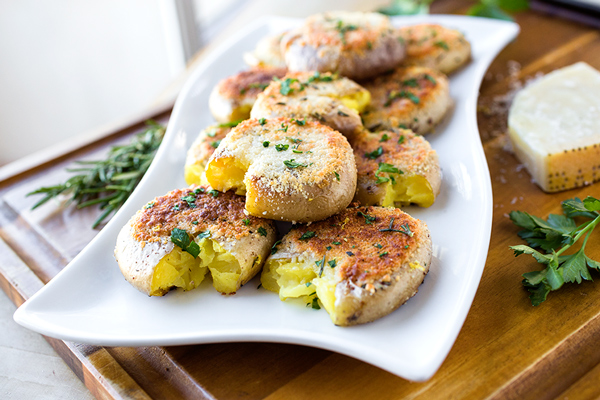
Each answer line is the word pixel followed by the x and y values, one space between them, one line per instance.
pixel 177 269
pixel 226 174
pixel 408 190
pixel 357 101
pixel 181 269
pixel 225 270
pixel 240 113
pixel 299 279
pixel 194 174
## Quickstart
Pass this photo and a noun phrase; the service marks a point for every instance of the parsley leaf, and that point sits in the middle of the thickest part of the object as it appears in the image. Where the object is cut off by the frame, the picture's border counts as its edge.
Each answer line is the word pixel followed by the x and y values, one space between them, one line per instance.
pixel 555 235
pixel 293 164
pixel 182 239
pixel 375 153
pixel 308 235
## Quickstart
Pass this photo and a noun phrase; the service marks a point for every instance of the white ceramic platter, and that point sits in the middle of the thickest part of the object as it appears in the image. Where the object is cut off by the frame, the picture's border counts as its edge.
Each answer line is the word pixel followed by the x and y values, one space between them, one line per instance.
pixel 90 301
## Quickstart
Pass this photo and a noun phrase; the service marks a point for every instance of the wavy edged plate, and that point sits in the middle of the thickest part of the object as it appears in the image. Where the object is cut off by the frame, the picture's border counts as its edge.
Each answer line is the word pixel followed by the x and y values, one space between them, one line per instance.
pixel 90 301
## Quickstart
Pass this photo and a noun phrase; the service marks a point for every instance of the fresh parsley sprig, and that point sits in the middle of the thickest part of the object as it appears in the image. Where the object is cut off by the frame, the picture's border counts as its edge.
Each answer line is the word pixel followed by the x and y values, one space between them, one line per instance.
pixel 555 236
pixel 108 183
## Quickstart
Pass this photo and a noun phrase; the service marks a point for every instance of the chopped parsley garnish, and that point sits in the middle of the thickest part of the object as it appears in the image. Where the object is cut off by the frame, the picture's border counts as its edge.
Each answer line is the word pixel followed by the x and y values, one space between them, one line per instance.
pixel 295 141
pixel 262 231
pixel 262 121
pixel 246 221
pixel 213 193
pixel 430 79
pixel 297 151
pixel 337 243
pixel 308 235
pixel 176 207
pixel 317 77
pixel 383 254
pixel 402 126
pixel 401 139
pixel 342 29
pixel 375 153
pixel 182 239
pixel 232 124
pixel 329 248
pixel 332 263
pixel 215 144
pixel 442 45
pixel 315 304
pixel 211 134
pixel 293 164
pixel 369 219
pixel 274 248
pixel 194 222
pixel 401 94
pixel 149 205
pixel 190 199
pixel 384 138
pixel 300 122
pixel 350 253
pixel 286 87
pixel 282 147
pixel 199 190
pixel 410 82
pixel 337 176
pixel 266 143
pixel 342 114
pixel 257 85
pixel 284 127
pixel 390 169
pixel 378 245
pixel 204 235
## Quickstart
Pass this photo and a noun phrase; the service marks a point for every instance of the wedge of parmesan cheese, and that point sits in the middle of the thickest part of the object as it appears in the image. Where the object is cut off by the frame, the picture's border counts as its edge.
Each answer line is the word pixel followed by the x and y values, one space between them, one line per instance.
pixel 554 127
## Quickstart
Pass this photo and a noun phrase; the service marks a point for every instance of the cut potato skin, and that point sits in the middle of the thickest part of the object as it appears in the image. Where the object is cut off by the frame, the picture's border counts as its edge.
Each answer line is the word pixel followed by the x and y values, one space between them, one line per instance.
pixel 146 239
pixel 415 98
pixel 233 97
pixel 289 170
pixel 355 44
pixel 436 47
pixel 402 149
pixel 199 153
pixel 324 97
pixel 374 271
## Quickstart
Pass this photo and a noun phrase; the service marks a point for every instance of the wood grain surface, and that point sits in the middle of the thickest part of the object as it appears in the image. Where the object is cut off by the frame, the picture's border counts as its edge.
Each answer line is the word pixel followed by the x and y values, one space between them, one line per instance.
pixel 507 349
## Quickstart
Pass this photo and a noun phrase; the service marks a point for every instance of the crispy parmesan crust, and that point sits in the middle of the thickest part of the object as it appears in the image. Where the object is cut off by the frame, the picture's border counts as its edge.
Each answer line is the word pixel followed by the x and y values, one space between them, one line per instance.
pixel 145 240
pixel 376 271
pixel 313 96
pixel 357 45
pixel 434 46
pixel 414 98
pixel 403 149
pixel 234 96
pixel 311 177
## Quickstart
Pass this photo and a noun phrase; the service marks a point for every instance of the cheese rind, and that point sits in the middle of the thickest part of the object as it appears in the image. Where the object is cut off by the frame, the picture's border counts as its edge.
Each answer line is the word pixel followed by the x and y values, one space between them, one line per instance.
pixel 554 127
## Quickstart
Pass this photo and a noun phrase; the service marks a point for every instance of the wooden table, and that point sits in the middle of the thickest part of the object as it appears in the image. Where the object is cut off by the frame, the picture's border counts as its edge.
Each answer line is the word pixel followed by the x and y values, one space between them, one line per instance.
pixel 506 349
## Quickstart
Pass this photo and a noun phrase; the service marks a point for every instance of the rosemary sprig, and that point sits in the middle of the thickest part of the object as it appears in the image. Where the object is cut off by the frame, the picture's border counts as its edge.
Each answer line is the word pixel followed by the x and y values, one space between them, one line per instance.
pixel 108 183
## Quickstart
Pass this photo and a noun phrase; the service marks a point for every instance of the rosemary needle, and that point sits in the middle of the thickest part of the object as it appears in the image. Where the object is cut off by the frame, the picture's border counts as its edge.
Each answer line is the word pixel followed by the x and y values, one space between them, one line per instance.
pixel 108 183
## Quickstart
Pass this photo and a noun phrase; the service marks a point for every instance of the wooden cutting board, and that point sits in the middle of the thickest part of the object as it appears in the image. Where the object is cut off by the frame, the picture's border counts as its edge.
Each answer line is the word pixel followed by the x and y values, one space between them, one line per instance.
pixel 506 348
